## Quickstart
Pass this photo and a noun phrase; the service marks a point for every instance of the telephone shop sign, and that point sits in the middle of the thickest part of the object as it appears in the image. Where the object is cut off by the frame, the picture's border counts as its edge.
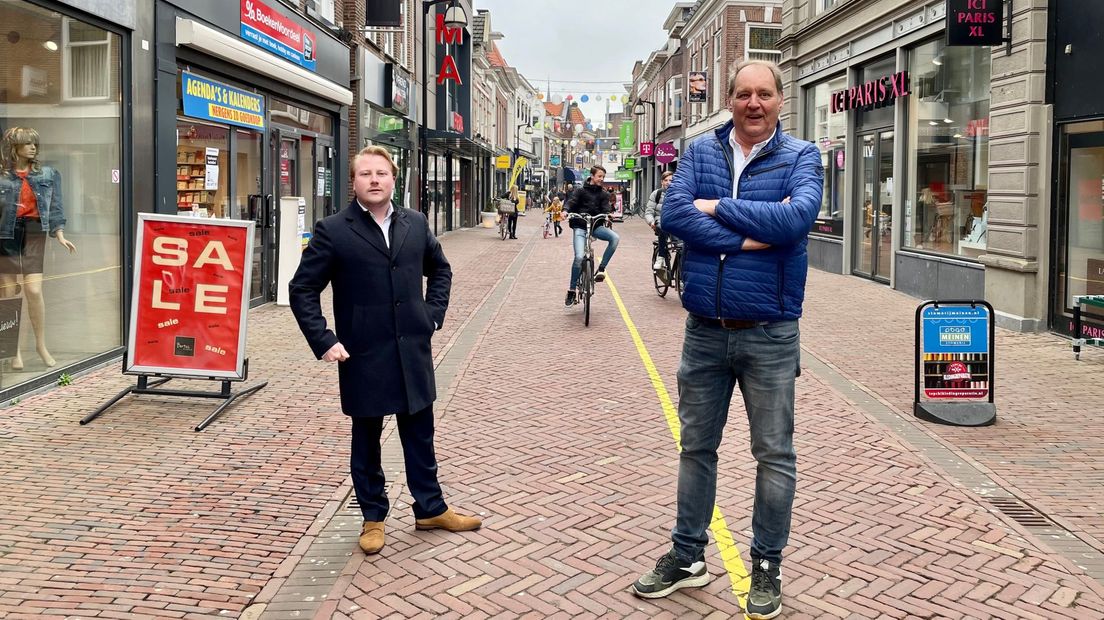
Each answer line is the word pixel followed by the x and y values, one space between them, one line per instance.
pixel 975 22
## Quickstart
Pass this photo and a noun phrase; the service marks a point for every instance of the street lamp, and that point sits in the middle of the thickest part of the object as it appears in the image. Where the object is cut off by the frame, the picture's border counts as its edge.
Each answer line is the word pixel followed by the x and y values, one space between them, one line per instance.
pixel 455 17
pixel 638 110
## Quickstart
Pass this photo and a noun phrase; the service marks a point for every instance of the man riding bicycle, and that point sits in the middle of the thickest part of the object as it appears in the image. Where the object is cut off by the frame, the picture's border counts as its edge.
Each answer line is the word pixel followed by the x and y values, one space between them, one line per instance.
pixel 590 199
pixel 652 215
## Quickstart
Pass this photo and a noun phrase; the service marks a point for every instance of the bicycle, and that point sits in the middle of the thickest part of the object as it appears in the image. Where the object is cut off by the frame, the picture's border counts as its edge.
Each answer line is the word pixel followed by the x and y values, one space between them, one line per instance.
pixel 671 273
pixel 584 289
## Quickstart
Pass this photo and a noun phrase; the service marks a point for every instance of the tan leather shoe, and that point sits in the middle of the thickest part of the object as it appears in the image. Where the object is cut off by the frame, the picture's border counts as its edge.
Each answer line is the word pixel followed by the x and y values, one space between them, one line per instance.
pixel 450 521
pixel 371 537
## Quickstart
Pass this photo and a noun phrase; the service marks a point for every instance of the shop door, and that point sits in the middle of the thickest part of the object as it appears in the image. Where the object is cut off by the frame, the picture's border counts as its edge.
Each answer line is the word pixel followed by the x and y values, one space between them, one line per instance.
pixel 1080 224
pixel 323 192
pixel 874 249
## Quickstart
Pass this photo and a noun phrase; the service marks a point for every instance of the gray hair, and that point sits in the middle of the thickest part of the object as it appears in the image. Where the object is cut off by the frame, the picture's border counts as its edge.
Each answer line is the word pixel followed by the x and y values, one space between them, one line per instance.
pixel 774 69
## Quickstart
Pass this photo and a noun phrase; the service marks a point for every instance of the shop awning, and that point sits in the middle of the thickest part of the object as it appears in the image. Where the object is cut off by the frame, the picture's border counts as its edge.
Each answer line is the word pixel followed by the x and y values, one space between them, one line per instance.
pixel 446 140
pixel 206 39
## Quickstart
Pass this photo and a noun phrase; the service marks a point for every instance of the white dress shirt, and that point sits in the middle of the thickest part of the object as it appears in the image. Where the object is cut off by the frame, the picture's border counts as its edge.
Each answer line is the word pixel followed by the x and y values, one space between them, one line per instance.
pixel 739 161
pixel 385 225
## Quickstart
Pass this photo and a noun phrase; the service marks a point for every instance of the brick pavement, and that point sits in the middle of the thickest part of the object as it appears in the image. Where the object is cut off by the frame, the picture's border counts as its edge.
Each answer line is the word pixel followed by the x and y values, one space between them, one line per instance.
pixel 554 432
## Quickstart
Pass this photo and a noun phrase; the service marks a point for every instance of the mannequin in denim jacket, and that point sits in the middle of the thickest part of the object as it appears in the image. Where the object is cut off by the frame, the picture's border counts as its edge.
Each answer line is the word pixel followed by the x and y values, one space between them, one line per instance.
pixel 18 233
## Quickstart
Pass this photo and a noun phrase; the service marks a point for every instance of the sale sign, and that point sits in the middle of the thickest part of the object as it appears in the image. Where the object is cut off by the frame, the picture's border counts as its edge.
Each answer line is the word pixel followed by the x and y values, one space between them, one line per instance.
pixel 191 297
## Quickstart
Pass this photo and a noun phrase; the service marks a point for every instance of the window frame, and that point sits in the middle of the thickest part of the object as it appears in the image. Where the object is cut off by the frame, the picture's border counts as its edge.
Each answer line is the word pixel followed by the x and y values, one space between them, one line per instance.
pixel 775 54
pixel 67 63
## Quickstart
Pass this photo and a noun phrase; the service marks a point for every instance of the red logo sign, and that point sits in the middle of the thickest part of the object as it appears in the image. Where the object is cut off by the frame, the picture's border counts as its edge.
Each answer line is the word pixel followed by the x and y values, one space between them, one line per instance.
pixel 189 309
pixel 666 153
pixel 457 122
pixel 448 36
pixel 873 94
pixel 647 149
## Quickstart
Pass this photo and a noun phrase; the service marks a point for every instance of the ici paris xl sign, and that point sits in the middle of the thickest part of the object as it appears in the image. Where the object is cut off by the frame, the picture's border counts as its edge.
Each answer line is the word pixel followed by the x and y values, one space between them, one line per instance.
pixel 873 94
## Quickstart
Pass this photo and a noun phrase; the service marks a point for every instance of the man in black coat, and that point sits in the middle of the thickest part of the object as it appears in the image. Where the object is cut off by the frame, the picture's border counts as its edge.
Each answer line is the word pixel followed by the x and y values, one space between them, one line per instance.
pixel 590 199
pixel 375 256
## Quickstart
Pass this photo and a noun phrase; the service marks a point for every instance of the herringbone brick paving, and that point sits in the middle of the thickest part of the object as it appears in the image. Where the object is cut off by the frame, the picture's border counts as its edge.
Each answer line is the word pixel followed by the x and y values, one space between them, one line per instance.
pixel 554 432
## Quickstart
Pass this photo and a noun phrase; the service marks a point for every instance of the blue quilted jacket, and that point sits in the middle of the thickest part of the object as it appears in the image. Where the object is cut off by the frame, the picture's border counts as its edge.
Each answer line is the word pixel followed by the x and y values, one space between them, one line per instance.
pixel 721 280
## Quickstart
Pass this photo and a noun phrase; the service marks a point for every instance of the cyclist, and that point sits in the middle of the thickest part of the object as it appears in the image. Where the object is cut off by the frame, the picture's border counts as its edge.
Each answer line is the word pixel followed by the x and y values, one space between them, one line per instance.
pixel 651 215
pixel 590 199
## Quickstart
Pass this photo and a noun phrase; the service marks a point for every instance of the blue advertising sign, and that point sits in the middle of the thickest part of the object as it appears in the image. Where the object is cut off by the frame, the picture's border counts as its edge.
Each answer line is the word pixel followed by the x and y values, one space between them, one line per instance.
pixel 955 329
pixel 554 160
pixel 214 101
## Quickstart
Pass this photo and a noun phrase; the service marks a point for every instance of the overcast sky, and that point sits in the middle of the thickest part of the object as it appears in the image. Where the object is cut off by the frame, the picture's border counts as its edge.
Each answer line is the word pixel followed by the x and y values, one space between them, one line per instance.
pixel 582 40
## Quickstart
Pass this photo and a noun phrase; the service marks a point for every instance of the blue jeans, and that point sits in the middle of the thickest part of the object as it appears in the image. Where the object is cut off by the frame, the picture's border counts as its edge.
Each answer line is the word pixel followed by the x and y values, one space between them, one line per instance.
pixel 763 361
pixel 605 233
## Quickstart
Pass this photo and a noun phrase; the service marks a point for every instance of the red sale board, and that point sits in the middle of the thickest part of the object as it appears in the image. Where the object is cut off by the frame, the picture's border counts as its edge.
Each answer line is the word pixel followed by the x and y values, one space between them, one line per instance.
pixel 191 297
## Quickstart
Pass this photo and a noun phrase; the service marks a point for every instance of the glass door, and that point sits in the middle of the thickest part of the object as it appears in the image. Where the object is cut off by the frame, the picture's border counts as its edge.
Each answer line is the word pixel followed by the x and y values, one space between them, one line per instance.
pixel 874 250
pixel 1080 214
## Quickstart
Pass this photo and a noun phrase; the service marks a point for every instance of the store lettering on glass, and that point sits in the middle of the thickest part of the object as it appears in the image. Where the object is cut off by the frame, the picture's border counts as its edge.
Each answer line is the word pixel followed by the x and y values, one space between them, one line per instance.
pixel 873 94
pixel 448 36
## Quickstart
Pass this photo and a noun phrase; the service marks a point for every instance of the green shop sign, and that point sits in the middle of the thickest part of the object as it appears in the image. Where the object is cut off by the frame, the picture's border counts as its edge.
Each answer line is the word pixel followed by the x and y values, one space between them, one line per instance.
pixel 627 139
pixel 630 162
pixel 389 123
pixel 623 175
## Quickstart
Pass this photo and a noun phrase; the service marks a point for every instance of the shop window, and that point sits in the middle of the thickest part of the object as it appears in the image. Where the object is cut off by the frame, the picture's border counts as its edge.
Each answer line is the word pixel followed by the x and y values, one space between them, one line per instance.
pixel 202 170
pixel 762 43
pixel 948 150
pixel 1080 252
pixel 823 5
pixel 828 131
pixel 720 78
pixel 60 118
pixel 86 72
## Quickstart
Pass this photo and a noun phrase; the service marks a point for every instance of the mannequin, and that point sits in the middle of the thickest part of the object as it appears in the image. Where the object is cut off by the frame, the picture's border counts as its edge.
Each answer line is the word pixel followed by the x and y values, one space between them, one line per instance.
pixel 30 211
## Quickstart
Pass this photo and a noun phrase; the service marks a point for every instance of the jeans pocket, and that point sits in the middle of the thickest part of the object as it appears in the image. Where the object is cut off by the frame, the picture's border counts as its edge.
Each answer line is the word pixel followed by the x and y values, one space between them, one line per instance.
pixel 692 322
pixel 781 332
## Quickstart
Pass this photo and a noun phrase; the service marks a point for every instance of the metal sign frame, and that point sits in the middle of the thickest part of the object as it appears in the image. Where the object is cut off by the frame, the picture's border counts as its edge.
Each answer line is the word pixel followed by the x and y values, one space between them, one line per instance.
pixel 956 413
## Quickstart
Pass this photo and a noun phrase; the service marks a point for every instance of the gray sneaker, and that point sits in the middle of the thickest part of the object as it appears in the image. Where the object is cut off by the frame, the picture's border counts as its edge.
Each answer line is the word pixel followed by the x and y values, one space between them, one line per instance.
pixel 670 574
pixel 765 598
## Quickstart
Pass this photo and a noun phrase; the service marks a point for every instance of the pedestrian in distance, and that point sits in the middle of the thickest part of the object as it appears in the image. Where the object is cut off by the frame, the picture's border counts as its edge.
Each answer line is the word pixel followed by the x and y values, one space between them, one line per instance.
pixel 375 255
pixel 555 208
pixel 512 217
pixel 652 216
pixel 743 202
pixel 590 199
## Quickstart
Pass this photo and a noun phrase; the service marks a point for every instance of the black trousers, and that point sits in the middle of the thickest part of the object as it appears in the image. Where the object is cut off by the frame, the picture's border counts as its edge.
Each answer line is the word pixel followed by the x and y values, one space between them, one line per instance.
pixel 416 435
pixel 511 224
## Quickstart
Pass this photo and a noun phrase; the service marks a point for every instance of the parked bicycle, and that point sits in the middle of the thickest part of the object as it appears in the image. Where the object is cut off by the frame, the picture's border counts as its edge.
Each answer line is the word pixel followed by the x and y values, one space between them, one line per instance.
pixel 670 273
pixel 585 286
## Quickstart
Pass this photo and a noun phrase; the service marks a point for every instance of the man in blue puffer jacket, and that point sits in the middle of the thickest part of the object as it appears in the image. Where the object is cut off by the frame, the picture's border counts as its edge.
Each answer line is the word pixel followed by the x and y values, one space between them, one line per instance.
pixel 743 201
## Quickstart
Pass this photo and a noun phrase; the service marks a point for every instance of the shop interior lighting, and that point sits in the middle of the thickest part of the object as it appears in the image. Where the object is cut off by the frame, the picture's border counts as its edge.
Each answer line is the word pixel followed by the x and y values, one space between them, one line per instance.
pixel 948 121
pixel 938 60
pixel 933 123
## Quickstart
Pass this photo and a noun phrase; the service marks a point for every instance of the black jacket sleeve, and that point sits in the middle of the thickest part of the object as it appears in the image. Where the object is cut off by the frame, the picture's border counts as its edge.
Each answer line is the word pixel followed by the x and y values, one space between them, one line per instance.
pixel 313 276
pixel 438 273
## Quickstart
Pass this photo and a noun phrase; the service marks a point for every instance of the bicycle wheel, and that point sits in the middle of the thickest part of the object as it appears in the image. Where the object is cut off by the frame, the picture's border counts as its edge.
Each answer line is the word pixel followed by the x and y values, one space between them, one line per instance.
pixel 659 275
pixel 547 229
pixel 503 226
pixel 676 273
pixel 586 288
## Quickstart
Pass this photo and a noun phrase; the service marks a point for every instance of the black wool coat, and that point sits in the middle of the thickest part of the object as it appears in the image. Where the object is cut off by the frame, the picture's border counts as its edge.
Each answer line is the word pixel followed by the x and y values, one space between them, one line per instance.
pixel 380 313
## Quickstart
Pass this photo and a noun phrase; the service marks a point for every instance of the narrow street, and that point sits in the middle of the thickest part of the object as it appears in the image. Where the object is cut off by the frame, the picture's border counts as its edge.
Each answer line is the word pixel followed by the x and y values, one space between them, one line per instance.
pixel 562 438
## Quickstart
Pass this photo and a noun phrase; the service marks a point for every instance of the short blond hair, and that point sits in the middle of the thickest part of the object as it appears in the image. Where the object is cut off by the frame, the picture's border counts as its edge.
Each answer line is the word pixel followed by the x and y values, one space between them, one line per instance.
pixel 374 150
pixel 774 69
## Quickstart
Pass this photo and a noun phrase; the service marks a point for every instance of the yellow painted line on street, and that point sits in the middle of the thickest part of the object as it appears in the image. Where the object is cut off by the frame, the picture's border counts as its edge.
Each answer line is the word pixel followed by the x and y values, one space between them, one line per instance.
pixel 730 553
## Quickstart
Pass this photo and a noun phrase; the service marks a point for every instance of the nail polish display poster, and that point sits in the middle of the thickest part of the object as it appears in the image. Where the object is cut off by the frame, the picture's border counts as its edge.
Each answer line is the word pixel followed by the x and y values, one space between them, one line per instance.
pixel 955 352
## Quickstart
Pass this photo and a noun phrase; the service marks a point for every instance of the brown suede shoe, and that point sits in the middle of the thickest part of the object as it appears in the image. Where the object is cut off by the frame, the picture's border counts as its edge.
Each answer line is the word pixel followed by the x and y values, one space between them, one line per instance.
pixel 371 537
pixel 450 521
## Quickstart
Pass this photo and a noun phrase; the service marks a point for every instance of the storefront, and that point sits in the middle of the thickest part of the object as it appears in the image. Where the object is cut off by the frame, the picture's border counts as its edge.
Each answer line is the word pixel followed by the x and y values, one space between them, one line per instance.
pixel 902 125
pixel 1078 209
pixel 387 118
pixel 65 121
pixel 258 115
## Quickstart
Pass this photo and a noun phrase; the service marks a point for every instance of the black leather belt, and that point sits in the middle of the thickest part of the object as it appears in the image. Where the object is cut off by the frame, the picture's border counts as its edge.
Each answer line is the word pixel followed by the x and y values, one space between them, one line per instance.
pixel 728 323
